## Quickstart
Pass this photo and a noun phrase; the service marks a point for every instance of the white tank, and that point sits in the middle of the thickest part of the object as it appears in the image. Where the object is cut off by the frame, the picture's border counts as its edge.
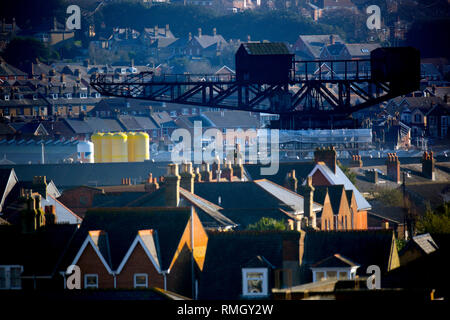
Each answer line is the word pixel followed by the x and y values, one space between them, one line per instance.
pixel 85 152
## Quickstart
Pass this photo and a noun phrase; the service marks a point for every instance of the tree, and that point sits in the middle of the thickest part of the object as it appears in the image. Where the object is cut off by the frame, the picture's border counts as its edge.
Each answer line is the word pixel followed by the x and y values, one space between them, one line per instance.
pixel 268 224
pixel 350 174
pixel 435 221
pixel 22 51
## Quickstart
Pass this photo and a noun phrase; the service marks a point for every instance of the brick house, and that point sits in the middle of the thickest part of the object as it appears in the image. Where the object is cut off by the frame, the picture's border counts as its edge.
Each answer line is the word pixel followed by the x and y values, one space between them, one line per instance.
pixel 139 248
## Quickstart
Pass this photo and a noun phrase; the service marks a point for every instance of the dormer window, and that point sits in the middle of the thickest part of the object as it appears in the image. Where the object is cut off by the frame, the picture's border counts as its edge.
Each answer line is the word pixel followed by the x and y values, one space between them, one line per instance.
pixel 83 95
pixel 335 267
pixel 54 96
pixel 68 96
pixel 35 96
pixel 97 95
pixel 6 97
pixel 10 277
pixel 255 282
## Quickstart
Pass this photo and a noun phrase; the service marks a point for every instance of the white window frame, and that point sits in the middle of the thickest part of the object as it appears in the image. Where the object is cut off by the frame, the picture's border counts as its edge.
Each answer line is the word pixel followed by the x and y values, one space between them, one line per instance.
pixel 265 282
pixel 86 286
pixel 8 277
pixel 6 97
pixel 351 272
pixel 83 95
pixel 140 285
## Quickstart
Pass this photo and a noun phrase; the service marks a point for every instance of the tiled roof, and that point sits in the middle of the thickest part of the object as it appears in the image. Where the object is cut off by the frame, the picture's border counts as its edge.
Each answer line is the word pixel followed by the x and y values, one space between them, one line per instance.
pixel 426 243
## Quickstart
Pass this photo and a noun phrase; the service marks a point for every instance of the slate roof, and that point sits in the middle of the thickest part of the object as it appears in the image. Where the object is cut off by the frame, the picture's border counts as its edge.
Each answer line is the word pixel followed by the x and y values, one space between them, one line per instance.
pixel 132 123
pixel 123 224
pixel 361 49
pixel 108 174
pixel 8 179
pixel 270 48
pixel 302 169
pixel 232 119
pixel 425 242
pixel 207 41
pixel 243 202
pixel 228 252
pixel 39 252
pixel 8 70
pixel 364 248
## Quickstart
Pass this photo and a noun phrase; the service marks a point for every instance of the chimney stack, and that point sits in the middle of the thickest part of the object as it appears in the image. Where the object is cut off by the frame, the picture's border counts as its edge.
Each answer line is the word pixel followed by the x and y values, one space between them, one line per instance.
pixel 206 174
pixel 356 162
pixel 393 167
pixel 172 182
pixel 216 169
pixel 156 31
pixel 372 176
pixel 151 185
pixel 214 32
pixel 187 177
pixel 291 181
pixel 428 163
pixel 326 155
pixel 167 29
pixel 238 170
pixel 307 191
pixel 50 215
pixel 199 32
pixel 190 36
pixel 198 176
pixel 332 40
pixel 227 171
pixel 40 185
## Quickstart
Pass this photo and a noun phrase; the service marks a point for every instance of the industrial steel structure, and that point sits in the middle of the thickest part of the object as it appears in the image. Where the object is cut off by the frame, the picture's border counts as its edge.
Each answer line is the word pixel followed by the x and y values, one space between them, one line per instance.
pixel 306 94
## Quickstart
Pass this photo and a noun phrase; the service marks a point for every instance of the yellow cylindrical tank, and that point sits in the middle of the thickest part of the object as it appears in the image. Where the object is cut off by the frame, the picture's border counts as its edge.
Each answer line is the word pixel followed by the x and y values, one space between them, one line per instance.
pixel 107 147
pixel 141 147
pixel 97 141
pixel 131 146
pixel 119 147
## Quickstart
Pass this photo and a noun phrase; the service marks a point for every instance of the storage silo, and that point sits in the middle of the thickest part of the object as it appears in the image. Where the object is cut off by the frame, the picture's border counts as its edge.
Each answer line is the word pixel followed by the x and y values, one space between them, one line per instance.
pixel 85 152
pixel 141 147
pixel 131 146
pixel 119 147
pixel 97 141
pixel 107 147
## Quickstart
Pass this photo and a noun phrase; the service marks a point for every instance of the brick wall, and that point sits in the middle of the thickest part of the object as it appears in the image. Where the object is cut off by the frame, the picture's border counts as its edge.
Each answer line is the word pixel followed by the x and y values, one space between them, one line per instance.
pixel 90 263
pixel 139 262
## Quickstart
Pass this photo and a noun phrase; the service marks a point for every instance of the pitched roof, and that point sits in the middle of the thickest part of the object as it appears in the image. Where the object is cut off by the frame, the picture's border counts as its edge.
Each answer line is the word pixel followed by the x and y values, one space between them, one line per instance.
pixel 232 119
pixel 8 70
pixel 8 180
pixel 269 48
pixel 122 225
pixel 361 49
pixel 425 243
pixel 207 41
pixel 315 43
pixel 363 247
pixel 228 252
pixel 302 169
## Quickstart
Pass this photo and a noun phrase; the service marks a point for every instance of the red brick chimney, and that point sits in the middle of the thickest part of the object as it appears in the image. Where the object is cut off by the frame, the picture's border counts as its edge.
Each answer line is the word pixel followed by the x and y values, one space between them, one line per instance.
pixel 428 163
pixel 393 167
pixel 356 161
pixel 50 215
pixel 327 155
pixel 151 185
pixel 227 172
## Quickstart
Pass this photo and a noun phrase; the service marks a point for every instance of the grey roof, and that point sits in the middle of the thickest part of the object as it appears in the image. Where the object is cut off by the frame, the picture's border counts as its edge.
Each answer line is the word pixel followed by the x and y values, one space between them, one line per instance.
pixel 315 43
pixel 334 261
pixel 133 123
pixel 361 49
pixel 232 119
pixel 207 41
pixel 426 243
pixel 8 70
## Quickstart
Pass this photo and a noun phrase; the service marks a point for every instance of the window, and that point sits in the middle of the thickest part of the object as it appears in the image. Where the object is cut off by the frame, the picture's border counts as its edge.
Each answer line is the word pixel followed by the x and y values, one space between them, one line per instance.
pixel 83 95
pixel 320 276
pixel 90 281
pixel 331 275
pixel 68 95
pixel 140 280
pixel 6 96
pixel 194 111
pixel 343 275
pixel 54 96
pixel 417 118
pixel 173 114
pixel 10 277
pixel 444 121
pixel 185 111
pixel 254 282
pixel 35 96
